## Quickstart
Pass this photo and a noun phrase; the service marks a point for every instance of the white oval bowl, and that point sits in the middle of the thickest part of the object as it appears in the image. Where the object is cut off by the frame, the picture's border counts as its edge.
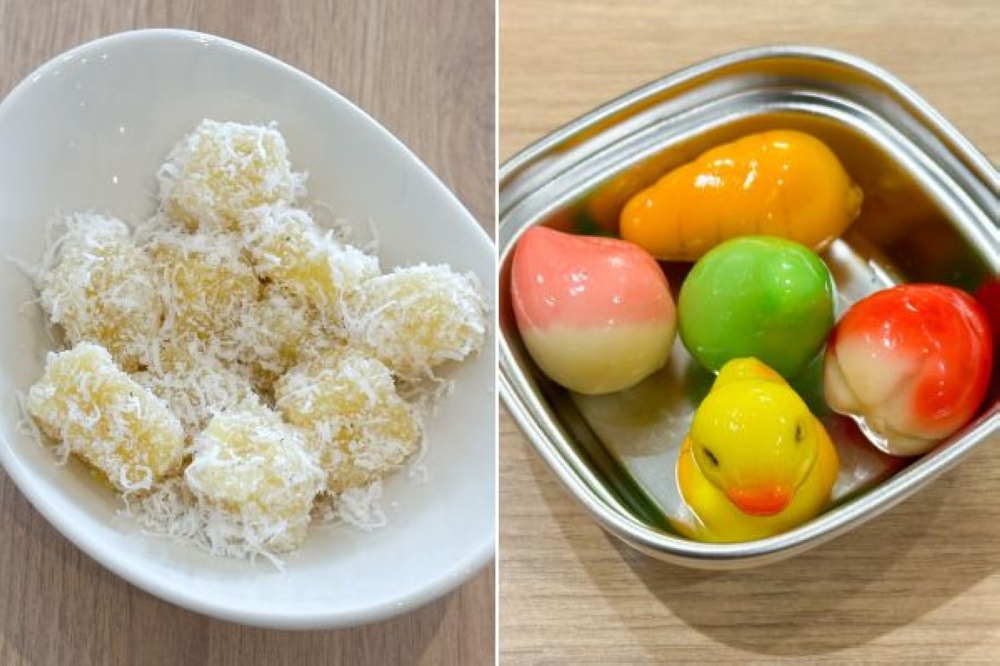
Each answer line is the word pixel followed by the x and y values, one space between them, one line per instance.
pixel 87 131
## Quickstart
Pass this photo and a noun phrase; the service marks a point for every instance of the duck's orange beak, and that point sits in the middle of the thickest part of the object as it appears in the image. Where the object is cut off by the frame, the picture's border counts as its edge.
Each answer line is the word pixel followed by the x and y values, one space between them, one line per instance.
pixel 761 500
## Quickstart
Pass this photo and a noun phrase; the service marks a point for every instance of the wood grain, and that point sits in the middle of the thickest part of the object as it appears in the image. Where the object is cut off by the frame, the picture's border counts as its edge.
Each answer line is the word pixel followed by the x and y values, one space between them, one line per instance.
pixel 424 70
pixel 920 584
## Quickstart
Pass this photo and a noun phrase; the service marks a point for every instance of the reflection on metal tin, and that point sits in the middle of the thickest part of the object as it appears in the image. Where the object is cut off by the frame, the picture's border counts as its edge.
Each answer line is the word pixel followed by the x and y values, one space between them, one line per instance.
pixel 930 215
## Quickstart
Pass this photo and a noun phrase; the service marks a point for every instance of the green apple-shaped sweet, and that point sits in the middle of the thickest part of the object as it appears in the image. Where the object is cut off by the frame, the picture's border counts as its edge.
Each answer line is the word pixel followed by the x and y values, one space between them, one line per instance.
pixel 757 296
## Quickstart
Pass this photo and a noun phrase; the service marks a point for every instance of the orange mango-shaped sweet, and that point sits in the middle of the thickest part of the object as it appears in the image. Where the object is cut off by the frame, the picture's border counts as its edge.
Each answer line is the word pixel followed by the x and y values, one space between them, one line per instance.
pixel 781 183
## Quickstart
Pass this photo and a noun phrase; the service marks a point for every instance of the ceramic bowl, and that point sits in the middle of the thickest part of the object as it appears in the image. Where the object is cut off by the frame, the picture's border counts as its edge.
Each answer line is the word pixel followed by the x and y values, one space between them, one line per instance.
pixel 87 131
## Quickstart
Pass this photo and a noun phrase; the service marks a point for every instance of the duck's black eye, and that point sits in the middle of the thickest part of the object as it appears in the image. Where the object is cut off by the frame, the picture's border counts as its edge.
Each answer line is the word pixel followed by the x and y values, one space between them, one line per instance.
pixel 799 433
pixel 711 457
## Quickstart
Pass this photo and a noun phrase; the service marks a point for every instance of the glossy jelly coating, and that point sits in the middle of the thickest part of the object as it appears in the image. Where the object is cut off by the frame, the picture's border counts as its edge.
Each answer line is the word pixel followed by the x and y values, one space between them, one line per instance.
pixel 756 461
pixel 777 183
pixel 595 313
pixel 910 364
pixel 757 296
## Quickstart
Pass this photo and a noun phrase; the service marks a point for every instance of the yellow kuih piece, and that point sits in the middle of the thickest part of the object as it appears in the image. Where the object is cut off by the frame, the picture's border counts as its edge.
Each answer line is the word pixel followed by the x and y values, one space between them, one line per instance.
pixel 104 417
pixel 287 247
pixel 222 169
pixel 207 286
pixel 278 332
pixel 101 289
pixel 416 318
pixel 348 400
pixel 260 476
pixel 195 384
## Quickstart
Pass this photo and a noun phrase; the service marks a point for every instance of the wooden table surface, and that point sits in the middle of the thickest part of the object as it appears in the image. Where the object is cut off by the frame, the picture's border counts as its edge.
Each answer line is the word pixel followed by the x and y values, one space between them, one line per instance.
pixel 425 71
pixel 920 584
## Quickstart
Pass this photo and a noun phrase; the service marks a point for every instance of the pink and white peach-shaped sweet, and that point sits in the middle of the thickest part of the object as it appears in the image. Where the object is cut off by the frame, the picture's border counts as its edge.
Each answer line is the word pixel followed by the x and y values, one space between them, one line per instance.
pixel 595 314
pixel 910 364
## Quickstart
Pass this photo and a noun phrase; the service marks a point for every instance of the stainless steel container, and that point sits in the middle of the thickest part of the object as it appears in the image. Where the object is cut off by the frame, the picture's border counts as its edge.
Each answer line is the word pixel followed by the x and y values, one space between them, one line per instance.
pixel 930 214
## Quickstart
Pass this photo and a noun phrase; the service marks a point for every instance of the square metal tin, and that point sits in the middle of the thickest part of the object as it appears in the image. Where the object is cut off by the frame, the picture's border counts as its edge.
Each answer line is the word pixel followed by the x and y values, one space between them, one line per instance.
pixel 930 215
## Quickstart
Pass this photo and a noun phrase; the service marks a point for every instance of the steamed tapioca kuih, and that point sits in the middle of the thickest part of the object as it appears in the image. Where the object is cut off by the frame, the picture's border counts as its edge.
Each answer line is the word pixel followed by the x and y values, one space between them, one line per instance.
pixel 235 369
pixel 910 364
pixel 595 314
pixel 776 183
pixel 98 413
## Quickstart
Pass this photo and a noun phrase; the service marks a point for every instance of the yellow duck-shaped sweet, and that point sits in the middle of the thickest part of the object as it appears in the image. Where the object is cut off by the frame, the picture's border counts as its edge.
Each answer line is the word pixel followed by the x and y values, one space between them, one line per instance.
pixel 756 461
